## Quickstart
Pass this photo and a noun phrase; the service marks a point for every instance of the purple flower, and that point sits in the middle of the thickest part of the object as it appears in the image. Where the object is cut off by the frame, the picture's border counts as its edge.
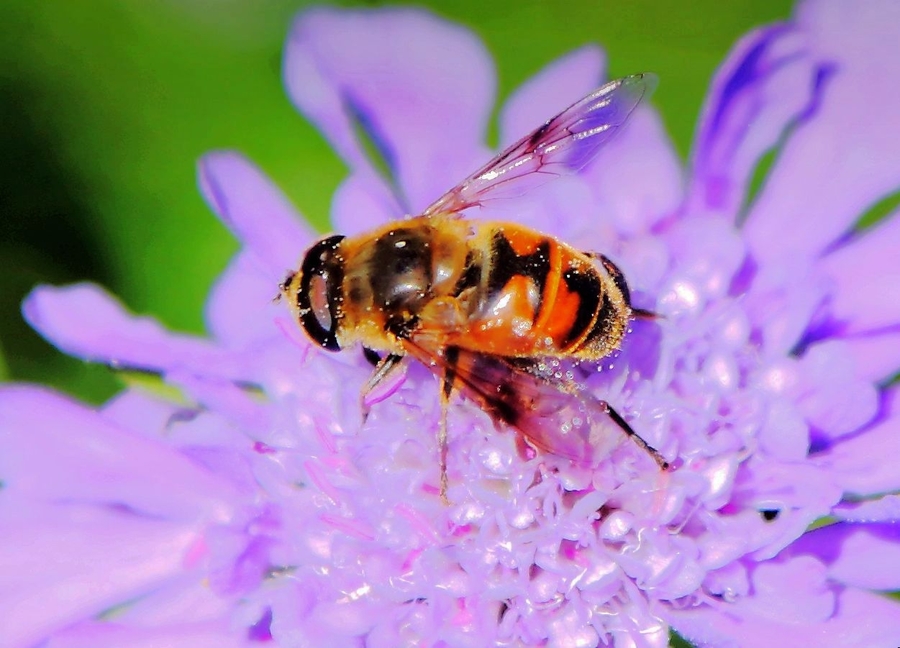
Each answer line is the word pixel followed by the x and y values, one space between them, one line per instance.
pixel 247 502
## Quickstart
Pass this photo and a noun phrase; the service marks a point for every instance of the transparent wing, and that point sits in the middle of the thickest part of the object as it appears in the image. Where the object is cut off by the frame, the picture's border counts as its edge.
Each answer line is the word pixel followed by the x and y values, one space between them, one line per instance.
pixel 561 146
pixel 554 416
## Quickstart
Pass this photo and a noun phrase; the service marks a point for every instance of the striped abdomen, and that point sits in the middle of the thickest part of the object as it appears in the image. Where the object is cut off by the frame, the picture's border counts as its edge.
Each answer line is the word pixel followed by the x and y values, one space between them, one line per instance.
pixel 539 297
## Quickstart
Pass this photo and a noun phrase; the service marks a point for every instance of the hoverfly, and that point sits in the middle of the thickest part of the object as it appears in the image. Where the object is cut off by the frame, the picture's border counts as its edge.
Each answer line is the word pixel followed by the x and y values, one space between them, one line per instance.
pixel 490 307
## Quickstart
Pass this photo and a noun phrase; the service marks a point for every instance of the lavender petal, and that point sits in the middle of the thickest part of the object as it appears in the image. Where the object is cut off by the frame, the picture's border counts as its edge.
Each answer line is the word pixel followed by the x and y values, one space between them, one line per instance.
pixel 420 88
pixel 86 322
pixel 761 88
pixel 866 556
pixel 858 464
pixel 862 620
pixel 95 514
pixel 877 356
pixel 843 156
pixel 242 305
pixel 256 212
pixel 865 277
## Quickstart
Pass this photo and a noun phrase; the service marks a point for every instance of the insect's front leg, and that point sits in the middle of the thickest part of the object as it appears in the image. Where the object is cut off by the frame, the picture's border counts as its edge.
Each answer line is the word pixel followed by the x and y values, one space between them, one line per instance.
pixel 383 369
pixel 372 356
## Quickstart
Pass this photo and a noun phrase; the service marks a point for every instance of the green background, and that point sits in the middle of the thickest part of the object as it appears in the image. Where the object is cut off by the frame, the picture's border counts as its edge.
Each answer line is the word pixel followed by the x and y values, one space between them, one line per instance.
pixel 106 105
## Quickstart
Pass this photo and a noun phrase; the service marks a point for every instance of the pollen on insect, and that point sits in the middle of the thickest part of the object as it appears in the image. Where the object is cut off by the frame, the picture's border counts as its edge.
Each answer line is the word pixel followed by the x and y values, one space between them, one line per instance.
pixel 521 326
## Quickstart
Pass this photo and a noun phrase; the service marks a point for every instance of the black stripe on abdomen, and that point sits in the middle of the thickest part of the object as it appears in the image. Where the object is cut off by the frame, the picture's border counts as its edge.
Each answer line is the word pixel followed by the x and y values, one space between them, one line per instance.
pixel 506 264
pixel 587 286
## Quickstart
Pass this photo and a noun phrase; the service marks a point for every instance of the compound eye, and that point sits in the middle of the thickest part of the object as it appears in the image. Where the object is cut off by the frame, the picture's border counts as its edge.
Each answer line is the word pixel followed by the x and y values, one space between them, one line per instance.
pixel 318 300
pixel 320 292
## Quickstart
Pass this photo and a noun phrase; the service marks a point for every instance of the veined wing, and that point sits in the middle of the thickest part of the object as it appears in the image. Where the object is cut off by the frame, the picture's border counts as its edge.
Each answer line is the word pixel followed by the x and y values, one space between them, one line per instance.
pixel 561 146
pixel 554 416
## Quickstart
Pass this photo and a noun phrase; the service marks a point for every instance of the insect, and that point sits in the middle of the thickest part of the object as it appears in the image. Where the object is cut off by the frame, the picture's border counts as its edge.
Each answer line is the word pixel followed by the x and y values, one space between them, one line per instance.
pixel 490 307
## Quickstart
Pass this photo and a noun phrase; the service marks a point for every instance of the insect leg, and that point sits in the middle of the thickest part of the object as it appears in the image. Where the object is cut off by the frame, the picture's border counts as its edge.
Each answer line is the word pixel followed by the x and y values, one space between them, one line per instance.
pixel 446 390
pixel 627 429
pixel 371 356
pixel 383 368
pixel 451 356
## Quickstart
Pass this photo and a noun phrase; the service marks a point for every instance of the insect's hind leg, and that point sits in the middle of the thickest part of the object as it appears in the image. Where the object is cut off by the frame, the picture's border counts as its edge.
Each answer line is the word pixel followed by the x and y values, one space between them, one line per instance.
pixel 634 436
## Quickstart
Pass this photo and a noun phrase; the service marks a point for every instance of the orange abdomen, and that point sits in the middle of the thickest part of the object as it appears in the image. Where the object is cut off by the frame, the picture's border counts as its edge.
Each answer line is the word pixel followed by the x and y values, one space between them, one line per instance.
pixel 539 297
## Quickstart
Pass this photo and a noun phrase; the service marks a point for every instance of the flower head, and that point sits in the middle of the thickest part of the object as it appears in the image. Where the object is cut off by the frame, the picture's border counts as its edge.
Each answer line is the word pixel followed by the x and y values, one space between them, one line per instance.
pixel 257 505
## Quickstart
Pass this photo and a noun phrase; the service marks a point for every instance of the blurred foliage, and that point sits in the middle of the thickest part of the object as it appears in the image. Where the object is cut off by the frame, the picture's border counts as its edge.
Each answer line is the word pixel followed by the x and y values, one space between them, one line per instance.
pixel 106 106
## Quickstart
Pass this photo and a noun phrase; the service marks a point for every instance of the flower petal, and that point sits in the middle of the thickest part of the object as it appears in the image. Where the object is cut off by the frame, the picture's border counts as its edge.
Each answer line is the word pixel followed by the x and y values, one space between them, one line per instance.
pixel 255 210
pixel 86 322
pixel 85 560
pixel 95 461
pixel 858 463
pixel 862 555
pixel 782 301
pixel 206 634
pixel 361 204
pixel 802 492
pixel 866 276
pixel 844 156
pixel 141 412
pixel 882 509
pixel 876 357
pixel 95 515
pixel 790 591
pixel 831 396
pixel 762 86
pixel 242 307
pixel 861 620
pixel 792 594
pixel 421 88
pixel 618 176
